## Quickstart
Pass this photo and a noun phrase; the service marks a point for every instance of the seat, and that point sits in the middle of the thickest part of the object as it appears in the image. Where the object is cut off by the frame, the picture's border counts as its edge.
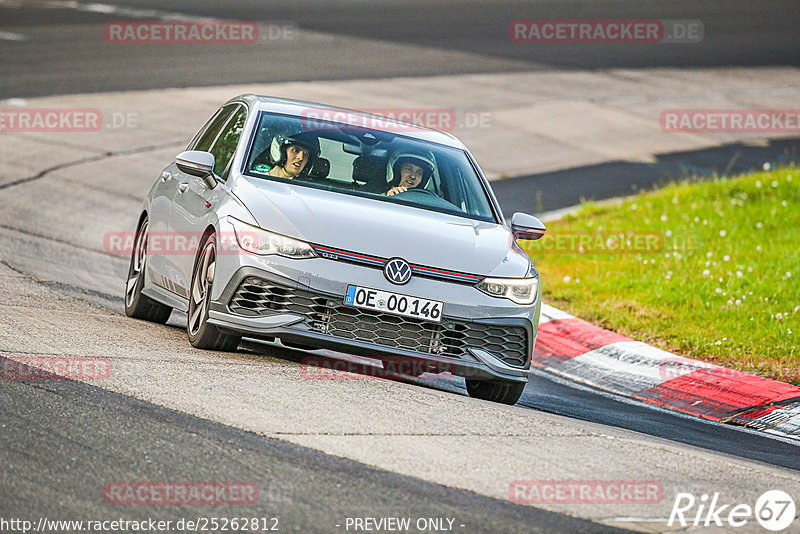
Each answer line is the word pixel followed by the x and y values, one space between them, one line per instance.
pixel 320 169
pixel 369 172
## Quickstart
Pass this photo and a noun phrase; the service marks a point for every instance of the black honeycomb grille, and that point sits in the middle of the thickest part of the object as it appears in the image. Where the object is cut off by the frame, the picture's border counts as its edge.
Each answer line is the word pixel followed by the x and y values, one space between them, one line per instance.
pixel 257 297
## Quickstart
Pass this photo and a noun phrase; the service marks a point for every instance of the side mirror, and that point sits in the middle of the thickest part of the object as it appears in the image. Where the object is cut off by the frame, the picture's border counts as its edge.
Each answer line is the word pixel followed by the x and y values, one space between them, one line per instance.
pixel 198 163
pixel 525 226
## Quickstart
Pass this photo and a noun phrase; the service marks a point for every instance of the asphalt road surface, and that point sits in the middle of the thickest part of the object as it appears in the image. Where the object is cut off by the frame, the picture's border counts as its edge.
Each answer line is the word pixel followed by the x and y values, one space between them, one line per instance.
pixel 70 439
pixel 63 50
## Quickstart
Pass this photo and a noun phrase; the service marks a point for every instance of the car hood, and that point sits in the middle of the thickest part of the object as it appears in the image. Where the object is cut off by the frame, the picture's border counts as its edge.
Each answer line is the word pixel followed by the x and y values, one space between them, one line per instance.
pixel 382 229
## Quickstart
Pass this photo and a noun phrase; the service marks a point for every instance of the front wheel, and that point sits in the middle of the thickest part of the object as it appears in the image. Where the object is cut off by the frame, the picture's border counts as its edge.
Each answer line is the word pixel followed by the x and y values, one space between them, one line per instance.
pixel 203 335
pixel 137 305
pixel 502 391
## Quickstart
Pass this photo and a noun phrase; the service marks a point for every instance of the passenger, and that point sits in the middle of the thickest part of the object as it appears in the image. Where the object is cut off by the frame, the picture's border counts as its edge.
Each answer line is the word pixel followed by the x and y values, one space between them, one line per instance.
pixel 290 156
pixel 410 171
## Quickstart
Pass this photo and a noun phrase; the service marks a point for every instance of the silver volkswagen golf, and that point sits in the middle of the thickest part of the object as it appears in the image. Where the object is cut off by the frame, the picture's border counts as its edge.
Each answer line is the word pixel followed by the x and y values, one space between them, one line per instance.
pixel 328 228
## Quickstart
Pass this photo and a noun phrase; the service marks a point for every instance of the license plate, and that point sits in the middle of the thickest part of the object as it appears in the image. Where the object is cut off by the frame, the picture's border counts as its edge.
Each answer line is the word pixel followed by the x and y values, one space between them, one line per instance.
pixel 385 301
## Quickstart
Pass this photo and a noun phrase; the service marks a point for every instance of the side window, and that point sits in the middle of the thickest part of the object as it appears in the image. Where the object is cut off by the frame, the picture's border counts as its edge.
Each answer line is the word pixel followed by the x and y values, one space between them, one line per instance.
pixel 212 128
pixel 225 145
pixel 340 161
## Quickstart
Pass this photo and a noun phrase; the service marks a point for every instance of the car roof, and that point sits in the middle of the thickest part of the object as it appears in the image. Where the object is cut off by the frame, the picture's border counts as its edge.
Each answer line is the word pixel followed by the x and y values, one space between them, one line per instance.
pixel 301 108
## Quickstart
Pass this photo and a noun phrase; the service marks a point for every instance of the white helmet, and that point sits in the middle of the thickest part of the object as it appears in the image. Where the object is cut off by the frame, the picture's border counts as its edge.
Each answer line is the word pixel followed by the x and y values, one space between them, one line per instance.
pixel 424 160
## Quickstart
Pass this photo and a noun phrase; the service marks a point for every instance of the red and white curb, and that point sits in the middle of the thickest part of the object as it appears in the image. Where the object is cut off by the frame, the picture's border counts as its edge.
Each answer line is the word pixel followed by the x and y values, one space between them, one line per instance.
pixel 580 351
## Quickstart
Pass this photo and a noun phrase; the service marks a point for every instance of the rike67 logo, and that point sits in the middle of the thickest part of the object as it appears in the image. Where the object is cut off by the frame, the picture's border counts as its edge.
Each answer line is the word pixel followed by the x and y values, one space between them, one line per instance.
pixel 774 510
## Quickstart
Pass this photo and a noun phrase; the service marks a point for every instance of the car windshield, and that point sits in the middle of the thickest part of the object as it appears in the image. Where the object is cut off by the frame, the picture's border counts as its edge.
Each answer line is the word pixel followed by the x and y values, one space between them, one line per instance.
pixel 354 160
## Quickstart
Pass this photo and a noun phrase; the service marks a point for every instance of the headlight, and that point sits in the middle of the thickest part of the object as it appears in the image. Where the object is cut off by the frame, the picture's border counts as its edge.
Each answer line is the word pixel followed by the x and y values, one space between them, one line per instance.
pixel 518 290
pixel 259 241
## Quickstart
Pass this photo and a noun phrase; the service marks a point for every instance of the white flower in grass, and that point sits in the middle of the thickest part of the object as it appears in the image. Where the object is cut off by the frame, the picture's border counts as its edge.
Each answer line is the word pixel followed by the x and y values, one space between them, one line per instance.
pixel 778 316
pixel 726 258
pixel 705 222
pixel 738 302
pixel 759 225
pixel 788 330
pixel 730 301
pixel 668 233
pixel 634 207
pixel 784 203
pixel 758 248
pixel 718 290
pixel 706 272
pixel 664 218
pixel 723 233
pixel 709 254
pixel 788 274
pixel 774 183
pixel 675 200
pixel 750 270
pixel 566 279
pixel 758 184
pixel 739 274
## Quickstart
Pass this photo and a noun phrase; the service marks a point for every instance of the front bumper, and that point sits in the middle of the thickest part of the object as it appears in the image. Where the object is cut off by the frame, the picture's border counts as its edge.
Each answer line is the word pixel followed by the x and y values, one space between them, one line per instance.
pixel 258 303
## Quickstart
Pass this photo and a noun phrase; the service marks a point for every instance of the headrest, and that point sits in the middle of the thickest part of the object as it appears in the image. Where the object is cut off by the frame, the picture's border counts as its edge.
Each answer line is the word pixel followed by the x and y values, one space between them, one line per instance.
pixel 367 169
pixel 319 169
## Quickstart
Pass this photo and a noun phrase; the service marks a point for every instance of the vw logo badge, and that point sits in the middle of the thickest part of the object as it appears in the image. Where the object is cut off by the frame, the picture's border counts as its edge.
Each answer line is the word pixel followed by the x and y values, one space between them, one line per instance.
pixel 397 271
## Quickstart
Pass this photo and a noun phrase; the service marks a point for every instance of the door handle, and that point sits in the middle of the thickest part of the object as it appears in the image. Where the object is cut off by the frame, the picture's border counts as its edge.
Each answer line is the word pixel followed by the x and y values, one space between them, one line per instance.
pixel 182 187
pixel 166 175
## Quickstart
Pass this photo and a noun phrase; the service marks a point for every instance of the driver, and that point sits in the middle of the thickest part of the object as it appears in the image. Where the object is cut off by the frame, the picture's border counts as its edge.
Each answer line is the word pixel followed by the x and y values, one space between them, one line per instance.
pixel 410 171
pixel 290 156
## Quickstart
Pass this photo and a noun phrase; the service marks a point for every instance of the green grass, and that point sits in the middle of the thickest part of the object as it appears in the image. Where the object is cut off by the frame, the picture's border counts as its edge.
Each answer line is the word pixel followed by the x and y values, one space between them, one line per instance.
pixel 722 285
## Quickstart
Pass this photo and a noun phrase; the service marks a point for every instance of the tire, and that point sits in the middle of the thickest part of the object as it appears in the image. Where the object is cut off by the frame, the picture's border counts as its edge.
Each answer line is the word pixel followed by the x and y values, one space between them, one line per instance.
pixel 502 391
pixel 203 335
pixel 137 305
